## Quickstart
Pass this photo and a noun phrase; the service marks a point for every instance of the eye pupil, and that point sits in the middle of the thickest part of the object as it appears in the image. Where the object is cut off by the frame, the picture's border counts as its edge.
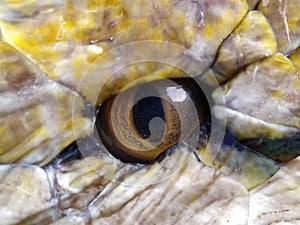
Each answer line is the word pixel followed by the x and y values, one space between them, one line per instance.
pixel 143 121
pixel 144 112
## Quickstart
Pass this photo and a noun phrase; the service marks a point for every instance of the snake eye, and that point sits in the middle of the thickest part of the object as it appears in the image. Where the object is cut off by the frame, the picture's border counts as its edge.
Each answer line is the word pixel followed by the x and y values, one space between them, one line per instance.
pixel 143 121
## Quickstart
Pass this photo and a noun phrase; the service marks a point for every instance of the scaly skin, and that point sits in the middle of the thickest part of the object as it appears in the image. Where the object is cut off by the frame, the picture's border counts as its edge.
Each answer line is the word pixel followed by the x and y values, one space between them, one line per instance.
pixel 45 50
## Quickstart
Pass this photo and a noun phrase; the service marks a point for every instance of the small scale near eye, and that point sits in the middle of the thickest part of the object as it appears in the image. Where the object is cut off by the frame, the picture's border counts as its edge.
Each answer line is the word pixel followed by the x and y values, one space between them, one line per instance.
pixel 142 122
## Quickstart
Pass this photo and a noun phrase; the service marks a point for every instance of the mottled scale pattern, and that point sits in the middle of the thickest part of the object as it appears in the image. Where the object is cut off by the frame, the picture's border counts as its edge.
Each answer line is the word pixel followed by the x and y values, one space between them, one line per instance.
pixel 25 191
pixel 36 112
pixel 243 46
pixel 248 47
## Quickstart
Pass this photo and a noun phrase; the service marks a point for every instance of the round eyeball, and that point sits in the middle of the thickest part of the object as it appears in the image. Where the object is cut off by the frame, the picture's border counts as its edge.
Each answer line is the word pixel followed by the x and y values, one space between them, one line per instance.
pixel 142 122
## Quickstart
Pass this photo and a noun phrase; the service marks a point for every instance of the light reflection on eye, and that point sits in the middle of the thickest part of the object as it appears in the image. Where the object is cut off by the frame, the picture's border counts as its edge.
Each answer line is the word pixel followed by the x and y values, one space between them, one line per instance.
pixel 141 123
